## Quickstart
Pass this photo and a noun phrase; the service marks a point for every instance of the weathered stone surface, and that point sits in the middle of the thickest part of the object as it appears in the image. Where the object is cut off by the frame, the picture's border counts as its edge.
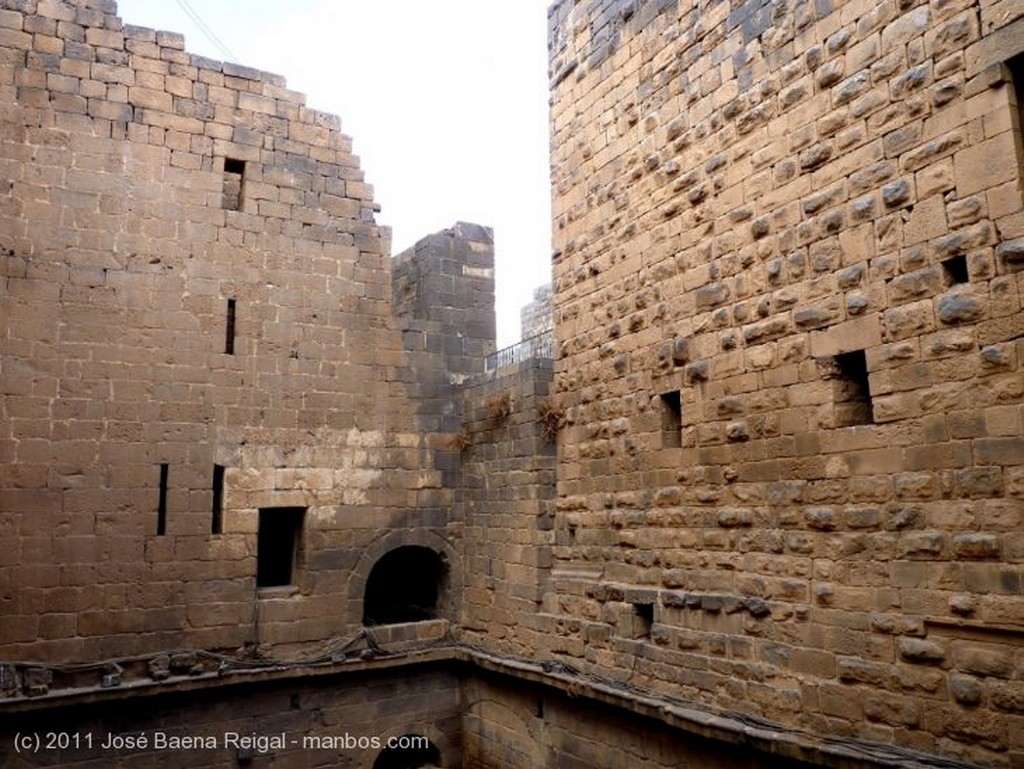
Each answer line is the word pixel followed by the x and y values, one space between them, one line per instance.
pixel 820 518
pixel 914 285
pixel 734 517
pixel 851 88
pixel 959 307
pixel 966 690
pixel 895 193
pixel 897 711
pixel 160 667
pixel 1011 253
pixel 920 650
pixel 795 189
pixel 984 662
pixel 757 607
pixel 851 669
pixel 812 317
pixel 245 353
pixel 1009 697
pixel 37 681
pixel 765 330
pixel 909 320
pixel 976 545
pixel 713 295
pixel 922 544
pixel 851 276
pixel 816 156
pixel 737 431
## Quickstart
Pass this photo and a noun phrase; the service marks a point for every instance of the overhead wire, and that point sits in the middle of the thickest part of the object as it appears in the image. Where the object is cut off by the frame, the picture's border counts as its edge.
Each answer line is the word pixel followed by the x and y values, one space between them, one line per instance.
pixel 206 30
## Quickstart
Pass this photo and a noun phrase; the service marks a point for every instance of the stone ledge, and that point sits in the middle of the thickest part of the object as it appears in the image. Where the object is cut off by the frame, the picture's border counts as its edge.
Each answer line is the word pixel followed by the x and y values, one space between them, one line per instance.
pixel 406 636
pixel 996 47
pixel 731 728
pixel 735 728
pixel 243 677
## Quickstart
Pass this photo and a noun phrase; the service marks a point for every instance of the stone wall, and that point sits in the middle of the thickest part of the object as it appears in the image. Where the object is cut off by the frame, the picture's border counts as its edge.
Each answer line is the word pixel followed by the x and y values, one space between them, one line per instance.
pixel 505 502
pixel 788 309
pixel 537 317
pixel 198 334
pixel 784 516
pixel 509 725
pixel 325 721
pixel 443 294
pixel 448 279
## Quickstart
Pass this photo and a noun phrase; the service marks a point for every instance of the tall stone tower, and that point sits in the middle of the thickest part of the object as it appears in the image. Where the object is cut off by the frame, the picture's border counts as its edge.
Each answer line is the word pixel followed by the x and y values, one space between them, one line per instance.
pixel 788 284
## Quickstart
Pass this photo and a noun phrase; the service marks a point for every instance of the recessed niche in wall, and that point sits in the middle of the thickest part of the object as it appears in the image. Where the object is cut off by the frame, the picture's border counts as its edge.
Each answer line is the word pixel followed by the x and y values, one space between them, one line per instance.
pixel 279 545
pixel 643 619
pixel 852 390
pixel 234 179
pixel 671 420
pixel 954 270
pixel 405 585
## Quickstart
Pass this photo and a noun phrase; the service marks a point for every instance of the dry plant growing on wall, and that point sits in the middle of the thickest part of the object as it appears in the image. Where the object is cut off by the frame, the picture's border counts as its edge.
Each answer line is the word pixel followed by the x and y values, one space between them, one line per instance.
pixel 551 416
pixel 461 440
pixel 499 405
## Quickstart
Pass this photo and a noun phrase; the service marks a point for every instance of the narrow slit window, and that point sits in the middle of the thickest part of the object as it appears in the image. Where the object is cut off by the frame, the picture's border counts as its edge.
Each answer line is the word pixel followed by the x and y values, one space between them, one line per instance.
pixel 234 178
pixel 278 545
pixel 217 511
pixel 1016 65
pixel 229 331
pixel 161 504
pixel 671 420
pixel 853 390
pixel 954 270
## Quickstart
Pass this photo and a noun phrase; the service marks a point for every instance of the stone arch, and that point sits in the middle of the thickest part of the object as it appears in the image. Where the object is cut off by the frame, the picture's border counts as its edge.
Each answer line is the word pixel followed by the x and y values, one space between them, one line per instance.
pixel 435 755
pixel 449 599
pixel 405 585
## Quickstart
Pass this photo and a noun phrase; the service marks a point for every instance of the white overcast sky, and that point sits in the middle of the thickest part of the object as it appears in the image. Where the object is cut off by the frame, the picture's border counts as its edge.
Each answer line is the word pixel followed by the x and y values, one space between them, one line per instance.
pixel 446 103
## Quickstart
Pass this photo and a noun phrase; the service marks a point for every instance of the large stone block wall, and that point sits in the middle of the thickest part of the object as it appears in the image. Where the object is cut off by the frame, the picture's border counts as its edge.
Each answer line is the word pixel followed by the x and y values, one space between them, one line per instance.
pixel 506 493
pixel 152 199
pixel 448 278
pixel 443 294
pixel 508 725
pixel 788 309
pixel 789 482
pixel 315 722
pixel 537 317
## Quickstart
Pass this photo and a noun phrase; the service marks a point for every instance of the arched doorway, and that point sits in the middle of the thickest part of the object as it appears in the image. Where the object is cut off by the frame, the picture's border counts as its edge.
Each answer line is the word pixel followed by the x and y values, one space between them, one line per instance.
pixel 410 751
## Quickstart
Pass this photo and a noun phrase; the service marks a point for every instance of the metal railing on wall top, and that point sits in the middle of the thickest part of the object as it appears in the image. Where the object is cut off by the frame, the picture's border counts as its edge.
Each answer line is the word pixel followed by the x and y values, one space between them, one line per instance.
pixel 540 346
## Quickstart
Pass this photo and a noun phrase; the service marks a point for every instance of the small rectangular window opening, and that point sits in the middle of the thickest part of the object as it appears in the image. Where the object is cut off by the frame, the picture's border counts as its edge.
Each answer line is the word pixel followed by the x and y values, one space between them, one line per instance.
pixel 161 504
pixel 229 333
pixel 643 619
pixel 217 512
pixel 852 390
pixel 671 420
pixel 278 545
pixel 234 176
pixel 954 270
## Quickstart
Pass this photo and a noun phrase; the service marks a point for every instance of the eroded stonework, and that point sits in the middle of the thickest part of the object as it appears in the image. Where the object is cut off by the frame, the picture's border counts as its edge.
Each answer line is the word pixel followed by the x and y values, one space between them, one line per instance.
pixel 789 322
pixel 194 279
pixel 764 510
